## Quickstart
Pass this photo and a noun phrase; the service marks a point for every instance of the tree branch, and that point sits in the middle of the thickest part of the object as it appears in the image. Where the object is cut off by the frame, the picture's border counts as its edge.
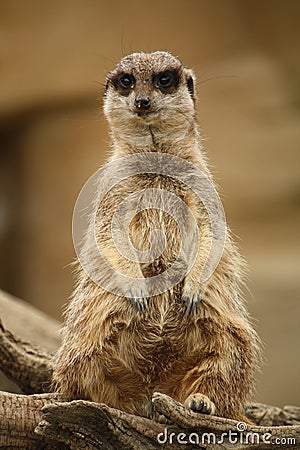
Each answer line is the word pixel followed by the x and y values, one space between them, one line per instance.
pixel 20 414
pixel 104 427
pixel 29 323
pixel 82 424
pixel 28 366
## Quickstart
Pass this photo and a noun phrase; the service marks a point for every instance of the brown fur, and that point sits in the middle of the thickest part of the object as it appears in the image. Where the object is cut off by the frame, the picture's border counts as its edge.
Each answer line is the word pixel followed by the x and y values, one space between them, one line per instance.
pixel 112 353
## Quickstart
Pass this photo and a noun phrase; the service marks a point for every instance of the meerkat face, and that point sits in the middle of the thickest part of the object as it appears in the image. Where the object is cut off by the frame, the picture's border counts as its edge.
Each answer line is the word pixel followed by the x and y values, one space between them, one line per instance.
pixel 149 89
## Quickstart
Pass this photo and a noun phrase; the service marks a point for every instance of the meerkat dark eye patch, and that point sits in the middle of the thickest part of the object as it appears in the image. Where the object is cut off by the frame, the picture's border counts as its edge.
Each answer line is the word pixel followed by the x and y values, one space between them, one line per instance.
pixel 190 86
pixel 124 82
pixel 166 81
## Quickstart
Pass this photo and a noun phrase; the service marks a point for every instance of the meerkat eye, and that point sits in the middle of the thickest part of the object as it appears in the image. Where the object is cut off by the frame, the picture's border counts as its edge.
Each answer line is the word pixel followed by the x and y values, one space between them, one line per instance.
pixel 166 80
pixel 126 81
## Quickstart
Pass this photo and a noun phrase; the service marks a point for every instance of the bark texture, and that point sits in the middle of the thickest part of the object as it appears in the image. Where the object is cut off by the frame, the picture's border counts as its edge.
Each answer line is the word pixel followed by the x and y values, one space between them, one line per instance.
pixel 28 366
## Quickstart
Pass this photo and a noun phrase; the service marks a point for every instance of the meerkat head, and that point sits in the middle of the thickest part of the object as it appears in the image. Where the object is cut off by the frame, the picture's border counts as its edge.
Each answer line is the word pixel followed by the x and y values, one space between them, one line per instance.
pixel 149 89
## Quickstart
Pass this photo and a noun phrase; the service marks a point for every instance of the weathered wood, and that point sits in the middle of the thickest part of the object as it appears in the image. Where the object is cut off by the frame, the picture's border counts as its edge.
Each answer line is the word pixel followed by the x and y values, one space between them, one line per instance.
pixel 266 415
pixel 104 427
pixel 29 323
pixel 19 415
pixel 82 424
pixel 27 365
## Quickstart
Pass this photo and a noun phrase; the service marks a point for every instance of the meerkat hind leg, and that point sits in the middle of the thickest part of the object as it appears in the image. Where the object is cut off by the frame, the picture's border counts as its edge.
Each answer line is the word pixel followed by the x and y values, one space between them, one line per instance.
pixel 200 403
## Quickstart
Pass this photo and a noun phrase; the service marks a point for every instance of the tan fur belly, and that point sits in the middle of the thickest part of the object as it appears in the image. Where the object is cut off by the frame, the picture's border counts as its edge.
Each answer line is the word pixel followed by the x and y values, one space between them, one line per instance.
pixel 154 344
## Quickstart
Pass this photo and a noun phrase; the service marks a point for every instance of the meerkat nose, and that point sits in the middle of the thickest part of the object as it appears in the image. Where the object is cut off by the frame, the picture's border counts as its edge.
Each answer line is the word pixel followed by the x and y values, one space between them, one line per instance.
pixel 142 103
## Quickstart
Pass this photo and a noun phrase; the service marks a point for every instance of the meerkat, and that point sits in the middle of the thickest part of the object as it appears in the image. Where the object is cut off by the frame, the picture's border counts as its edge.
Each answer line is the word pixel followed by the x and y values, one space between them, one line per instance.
pixel 193 341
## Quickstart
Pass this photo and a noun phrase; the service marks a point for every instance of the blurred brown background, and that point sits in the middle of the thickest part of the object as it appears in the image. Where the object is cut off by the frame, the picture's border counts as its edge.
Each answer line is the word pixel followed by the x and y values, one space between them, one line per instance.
pixel 245 53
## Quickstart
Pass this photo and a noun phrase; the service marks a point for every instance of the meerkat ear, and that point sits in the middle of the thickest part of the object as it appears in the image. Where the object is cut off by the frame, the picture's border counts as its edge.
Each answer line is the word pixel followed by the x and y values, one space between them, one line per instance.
pixel 190 82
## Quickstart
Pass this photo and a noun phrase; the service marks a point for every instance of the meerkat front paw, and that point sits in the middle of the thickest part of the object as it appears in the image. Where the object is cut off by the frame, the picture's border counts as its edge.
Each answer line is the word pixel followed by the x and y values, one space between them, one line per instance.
pixel 200 403
pixel 191 295
pixel 139 302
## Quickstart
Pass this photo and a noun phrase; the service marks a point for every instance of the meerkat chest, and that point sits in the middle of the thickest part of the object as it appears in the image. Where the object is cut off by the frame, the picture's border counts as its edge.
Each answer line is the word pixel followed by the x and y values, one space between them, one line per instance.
pixel 156 227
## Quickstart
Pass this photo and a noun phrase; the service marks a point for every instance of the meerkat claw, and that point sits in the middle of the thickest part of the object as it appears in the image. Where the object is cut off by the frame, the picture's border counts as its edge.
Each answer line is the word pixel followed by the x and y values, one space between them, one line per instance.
pixel 138 300
pixel 200 403
pixel 188 306
pixel 195 306
pixel 192 303
pixel 139 304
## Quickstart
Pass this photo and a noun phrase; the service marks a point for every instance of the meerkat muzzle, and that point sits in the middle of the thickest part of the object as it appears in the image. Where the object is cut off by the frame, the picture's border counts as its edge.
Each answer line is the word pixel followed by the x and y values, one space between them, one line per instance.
pixel 142 103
